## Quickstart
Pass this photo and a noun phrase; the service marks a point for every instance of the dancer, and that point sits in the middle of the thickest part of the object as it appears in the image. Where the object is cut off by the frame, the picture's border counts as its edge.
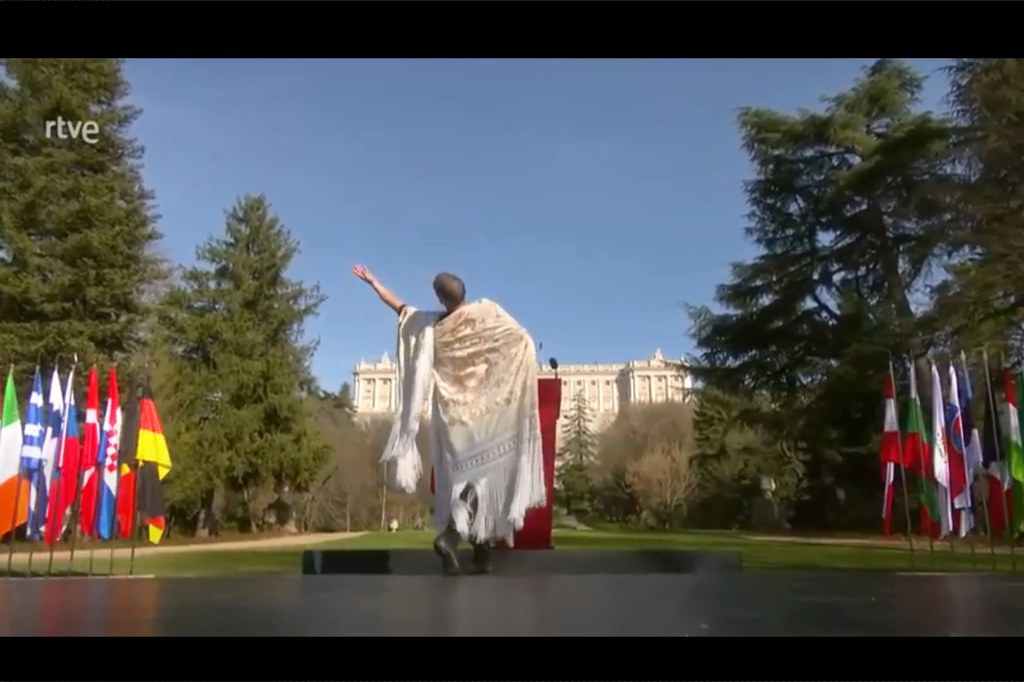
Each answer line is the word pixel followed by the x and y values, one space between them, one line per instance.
pixel 475 367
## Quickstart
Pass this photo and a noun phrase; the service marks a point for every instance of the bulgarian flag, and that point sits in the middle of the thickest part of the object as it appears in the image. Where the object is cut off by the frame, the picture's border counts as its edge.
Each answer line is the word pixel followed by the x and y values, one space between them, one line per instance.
pixel 890 452
pixel 13 486
pixel 917 456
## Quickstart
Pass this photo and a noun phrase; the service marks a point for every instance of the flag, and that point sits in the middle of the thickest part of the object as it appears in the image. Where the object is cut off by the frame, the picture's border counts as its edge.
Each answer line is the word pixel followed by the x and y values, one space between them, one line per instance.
pixel 154 463
pixel 126 460
pixel 65 468
pixel 890 453
pixel 959 490
pixel 90 448
pixel 1015 451
pixel 51 446
pixel 940 456
pixel 32 463
pixel 972 448
pixel 110 439
pixel 917 457
pixel 13 486
pixel 997 477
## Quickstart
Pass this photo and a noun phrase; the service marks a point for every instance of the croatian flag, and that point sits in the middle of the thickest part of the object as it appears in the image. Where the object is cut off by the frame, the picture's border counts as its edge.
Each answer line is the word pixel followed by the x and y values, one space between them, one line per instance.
pixel 32 462
pixel 51 445
pixel 110 446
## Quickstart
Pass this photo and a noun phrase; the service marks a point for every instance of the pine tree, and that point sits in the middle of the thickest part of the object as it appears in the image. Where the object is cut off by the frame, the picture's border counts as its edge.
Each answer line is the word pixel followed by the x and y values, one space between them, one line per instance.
pixel 77 231
pixel 851 211
pixel 576 457
pixel 241 368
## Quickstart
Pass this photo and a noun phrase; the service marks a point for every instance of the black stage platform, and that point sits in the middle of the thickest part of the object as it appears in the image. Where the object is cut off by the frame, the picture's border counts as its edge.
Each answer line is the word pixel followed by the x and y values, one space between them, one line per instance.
pixel 730 603
pixel 527 562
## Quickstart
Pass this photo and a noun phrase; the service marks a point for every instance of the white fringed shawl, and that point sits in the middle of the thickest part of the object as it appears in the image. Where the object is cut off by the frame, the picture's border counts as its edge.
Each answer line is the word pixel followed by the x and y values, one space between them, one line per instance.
pixel 479 368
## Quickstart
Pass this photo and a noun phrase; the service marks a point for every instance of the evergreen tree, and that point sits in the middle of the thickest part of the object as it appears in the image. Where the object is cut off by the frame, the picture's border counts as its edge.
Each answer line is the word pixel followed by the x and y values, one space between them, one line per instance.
pixel 241 370
pixel 851 210
pixel 344 400
pixel 77 231
pixel 576 457
pixel 984 301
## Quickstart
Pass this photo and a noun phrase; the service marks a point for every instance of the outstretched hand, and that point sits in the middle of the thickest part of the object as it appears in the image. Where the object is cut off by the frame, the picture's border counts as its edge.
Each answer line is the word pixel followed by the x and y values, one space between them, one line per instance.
pixel 362 273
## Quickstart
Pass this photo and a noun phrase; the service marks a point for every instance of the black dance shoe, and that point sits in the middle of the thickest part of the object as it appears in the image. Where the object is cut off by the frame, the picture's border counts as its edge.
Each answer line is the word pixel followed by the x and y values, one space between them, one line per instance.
pixel 482 558
pixel 446 546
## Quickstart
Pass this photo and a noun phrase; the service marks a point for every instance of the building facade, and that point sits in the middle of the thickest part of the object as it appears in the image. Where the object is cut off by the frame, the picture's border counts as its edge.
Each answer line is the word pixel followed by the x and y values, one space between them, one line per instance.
pixel 607 387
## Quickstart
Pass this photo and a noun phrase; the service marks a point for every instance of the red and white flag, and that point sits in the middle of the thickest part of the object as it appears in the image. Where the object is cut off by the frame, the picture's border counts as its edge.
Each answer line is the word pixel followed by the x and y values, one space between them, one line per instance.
pixel 90 447
pixel 890 453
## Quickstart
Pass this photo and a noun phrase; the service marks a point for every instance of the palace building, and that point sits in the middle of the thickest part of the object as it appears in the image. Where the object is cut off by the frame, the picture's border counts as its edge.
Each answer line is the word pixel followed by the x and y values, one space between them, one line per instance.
pixel 607 386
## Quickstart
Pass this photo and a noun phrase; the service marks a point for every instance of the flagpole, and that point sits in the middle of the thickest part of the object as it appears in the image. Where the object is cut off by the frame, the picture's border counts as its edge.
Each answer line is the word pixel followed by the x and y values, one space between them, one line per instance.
pixel 912 366
pixel 42 471
pixel 974 474
pixel 135 481
pixel 14 523
pixel 903 470
pixel 947 501
pixel 14 515
pixel 998 447
pixel 76 504
pixel 135 521
pixel 76 509
pixel 60 460
pixel 98 474
pixel 117 473
pixel 113 515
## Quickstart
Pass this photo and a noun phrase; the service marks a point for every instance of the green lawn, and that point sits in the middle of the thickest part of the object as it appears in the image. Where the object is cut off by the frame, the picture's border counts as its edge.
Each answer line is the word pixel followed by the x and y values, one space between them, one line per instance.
pixel 757 554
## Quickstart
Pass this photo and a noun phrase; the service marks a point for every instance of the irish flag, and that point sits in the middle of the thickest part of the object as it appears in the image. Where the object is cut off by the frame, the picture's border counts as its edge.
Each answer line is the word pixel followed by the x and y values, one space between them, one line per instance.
pixel 890 452
pixel 13 487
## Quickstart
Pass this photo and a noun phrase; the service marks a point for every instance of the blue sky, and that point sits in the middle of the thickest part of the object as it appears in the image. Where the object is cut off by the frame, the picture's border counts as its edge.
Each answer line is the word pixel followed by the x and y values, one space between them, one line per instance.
pixel 591 198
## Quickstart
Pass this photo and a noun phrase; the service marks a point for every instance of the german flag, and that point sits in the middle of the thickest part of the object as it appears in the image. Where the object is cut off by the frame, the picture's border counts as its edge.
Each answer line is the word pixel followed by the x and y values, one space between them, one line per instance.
pixel 154 464
pixel 150 462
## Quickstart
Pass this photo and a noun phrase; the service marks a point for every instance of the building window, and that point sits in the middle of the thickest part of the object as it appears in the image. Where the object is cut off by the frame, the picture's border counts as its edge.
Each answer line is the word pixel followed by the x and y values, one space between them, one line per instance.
pixel 593 383
pixel 607 382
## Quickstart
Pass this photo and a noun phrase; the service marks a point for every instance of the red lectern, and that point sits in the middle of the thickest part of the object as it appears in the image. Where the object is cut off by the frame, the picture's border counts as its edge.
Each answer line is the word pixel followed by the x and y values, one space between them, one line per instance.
pixel 537 526
pixel 536 532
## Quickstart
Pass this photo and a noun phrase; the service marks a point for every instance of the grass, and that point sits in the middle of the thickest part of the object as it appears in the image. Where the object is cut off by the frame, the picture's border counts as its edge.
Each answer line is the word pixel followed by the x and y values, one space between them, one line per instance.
pixel 792 554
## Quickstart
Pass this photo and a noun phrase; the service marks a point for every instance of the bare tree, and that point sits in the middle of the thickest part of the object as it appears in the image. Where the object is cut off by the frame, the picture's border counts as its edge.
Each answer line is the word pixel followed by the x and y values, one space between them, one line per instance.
pixel 663 482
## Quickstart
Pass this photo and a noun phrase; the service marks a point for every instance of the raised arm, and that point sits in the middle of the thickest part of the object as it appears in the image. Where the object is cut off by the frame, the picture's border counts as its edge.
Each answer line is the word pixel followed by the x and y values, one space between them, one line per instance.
pixel 390 300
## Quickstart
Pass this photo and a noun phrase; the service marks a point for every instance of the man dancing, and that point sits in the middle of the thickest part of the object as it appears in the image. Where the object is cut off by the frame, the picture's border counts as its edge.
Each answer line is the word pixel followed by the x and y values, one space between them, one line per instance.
pixel 475 367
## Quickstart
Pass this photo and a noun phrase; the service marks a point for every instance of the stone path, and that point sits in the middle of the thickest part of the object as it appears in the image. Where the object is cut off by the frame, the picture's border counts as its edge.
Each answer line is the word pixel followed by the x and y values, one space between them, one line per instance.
pixel 920 543
pixel 284 541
